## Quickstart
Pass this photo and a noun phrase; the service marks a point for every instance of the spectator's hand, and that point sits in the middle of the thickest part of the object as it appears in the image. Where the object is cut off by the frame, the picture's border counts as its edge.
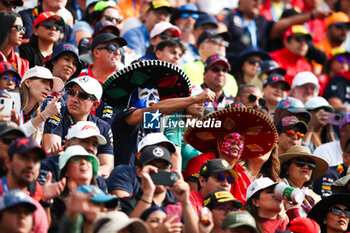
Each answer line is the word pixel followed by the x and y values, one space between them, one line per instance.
pixel 169 226
pixel 206 96
pixel 289 205
pixel 147 184
pixel 15 117
pixel 181 191
pixel 53 107
pixel 321 14
pixel 54 149
pixel 52 190
pixel 318 119
pixel 206 228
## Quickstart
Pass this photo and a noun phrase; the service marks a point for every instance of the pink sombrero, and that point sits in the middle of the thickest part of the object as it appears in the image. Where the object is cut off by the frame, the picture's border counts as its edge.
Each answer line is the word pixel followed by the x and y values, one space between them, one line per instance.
pixel 259 131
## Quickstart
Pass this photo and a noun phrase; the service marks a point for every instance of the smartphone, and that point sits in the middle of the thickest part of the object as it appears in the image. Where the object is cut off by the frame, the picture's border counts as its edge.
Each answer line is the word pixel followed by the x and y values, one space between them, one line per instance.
pixel 164 178
pixel 6 105
pixel 174 210
pixel 333 118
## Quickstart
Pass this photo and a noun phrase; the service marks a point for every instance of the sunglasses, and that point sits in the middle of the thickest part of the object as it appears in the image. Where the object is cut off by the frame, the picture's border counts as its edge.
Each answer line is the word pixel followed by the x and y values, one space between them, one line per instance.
pixel 291 133
pixel 300 39
pixel 8 78
pixel 217 69
pixel 301 163
pixel 343 59
pixel 164 36
pixel 110 18
pixel 112 48
pixel 225 208
pixel 253 61
pixel 218 41
pixel 342 26
pixel 19 28
pixel 252 98
pixel 337 211
pixel 50 25
pixel 8 4
pixel 187 15
pixel 7 139
pixel 221 178
pixel 81 95
pixel 77 159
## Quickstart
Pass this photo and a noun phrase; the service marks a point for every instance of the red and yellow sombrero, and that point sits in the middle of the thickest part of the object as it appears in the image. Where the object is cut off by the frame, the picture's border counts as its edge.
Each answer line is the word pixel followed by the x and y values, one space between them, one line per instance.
pixel 259 131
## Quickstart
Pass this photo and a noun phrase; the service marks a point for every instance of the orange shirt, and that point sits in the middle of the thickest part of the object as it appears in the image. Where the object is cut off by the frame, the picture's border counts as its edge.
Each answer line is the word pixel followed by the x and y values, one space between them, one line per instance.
pixel 129 8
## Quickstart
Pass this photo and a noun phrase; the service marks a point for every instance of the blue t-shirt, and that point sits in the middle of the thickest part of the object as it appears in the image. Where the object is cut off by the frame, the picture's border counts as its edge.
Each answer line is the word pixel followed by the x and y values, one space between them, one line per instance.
pixel 123 177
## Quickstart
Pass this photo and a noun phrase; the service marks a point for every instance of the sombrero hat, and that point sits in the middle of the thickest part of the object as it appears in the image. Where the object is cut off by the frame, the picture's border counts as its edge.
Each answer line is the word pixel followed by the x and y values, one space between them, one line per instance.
pixel 170 81
pixel 303 151
pixel 259 131
pixel 320 210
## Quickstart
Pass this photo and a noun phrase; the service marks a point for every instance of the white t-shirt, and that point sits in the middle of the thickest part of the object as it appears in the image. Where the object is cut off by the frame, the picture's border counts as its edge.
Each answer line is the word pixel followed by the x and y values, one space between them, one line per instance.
pixel 331 152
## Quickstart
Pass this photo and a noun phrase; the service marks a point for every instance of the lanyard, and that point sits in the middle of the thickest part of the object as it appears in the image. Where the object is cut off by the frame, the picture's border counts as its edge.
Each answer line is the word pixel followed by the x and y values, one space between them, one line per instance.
pixel 4 184
pixel 251 28
pixel 78 10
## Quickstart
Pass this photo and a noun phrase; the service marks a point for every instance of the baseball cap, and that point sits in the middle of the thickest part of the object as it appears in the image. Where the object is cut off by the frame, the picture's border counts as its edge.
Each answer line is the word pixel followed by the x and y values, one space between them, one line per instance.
pixel 156 4
pixel 89 2
pixel 204 19
pixel 303 225
pixel 318 102
pixel 16 197
pixel 274 78
pixel 239 219
pixel 107 37
pixel 303 78
pixel 218 197
pixel 58 50
pixel 293 105
pixel 259 184
pixel 88 84
pixel 17 2
pixel 155 138
pixel 77 150
pixel 289 122
pixel 105 24
pixel 9 126
pixel 338 18
pixel 42 72
pixel 101 5
pixel 215 59
pixel 86 129
pixel 48 15
pixel 337 52
pixel 297 29
pixel 161 27
pixel 114 221
pixel 25 144
pixel 193 167
pixel 269 66
pixel 216 166
pixel 8 67
pixel 211 34
pixel 151 153
pixel 345 120
pixel 99 195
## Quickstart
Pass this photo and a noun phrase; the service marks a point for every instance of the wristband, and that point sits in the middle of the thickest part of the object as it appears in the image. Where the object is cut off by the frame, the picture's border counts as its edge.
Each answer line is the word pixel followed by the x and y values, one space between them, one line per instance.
pixel 147 202
pixel 42 116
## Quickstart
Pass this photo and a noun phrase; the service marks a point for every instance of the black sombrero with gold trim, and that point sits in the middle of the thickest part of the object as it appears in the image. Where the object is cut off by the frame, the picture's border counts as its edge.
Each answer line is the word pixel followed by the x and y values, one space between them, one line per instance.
pixel 259 131
pixel 170 81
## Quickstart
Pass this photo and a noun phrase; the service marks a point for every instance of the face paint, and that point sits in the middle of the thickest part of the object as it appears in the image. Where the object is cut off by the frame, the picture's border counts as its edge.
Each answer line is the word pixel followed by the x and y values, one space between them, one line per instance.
pixel 225 145
pixel 143 97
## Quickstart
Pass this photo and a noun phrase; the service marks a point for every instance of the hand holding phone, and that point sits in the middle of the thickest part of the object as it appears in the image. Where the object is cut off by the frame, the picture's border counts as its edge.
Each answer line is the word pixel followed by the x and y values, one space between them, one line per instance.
pixel 333 118
pixel 174 210
pixel 164 178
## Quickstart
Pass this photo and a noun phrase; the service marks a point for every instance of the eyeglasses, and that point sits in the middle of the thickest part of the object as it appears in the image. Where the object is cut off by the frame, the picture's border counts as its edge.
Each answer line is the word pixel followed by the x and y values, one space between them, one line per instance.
pixel 300 39
pixel 187 15
pixel 8 4
pixel 50 25
pixel 110 18
pixel 337 211
pixel 217 69
pixel 218 41
pixel 112 48
pixel 221 178
pixel 343 59
pixel 225 208
pixel 7 139
pixel 301 163
pixel 19 28
pixel 291 133
pixel 81 95
pixel 252 98
pixel 77 159
pixel 9 78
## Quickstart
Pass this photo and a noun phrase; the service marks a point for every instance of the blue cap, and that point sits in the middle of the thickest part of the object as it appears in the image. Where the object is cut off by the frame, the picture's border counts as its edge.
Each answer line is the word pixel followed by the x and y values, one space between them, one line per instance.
pixel 105 24
pixel 99 195
pixel 271 66
pixel 58 50
pixel 214 59
pixel 204 19
pixel 25 144
pixel 150 210
pixel 274 78
pixel 16 197
pixel 188 7
pixel 8 67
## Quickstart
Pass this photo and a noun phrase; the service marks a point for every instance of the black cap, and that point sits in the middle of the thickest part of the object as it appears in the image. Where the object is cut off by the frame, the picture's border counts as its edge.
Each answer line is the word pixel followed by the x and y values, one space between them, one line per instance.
pixel 216 166
pixel 204 19
pixel 150 153
pixel 220 196
pixel 211 34
pixel 9 126
pixel 106 37
pixel 274 78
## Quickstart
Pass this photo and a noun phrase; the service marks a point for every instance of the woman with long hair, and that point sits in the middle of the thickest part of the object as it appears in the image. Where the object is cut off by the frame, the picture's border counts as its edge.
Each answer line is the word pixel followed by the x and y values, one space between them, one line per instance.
pixel 11 34
pixel 46 32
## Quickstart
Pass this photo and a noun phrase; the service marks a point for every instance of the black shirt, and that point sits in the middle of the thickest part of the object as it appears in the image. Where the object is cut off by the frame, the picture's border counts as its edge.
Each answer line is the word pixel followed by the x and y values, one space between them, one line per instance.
pixel 31 52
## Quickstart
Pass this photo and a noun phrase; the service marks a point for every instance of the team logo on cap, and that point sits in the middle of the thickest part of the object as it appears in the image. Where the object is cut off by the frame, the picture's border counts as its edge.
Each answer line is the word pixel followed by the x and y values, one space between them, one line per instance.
pixel 84 79
pixel 158 152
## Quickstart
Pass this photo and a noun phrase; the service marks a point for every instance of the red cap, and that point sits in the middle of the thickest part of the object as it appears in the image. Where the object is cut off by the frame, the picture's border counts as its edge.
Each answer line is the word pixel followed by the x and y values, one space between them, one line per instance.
pixel 296 30
pixel 303 225
pixel 194 165
pixel 48 15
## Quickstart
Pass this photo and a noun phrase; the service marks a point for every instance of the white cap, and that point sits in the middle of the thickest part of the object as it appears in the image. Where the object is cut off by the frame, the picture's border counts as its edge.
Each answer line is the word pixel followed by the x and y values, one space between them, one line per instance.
pixel 303 78
pixel 257 185
pixel 161 27
pixel 155 138
pixel 89 85
pixel 42 72
pixel 318 102
pixel 86 129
